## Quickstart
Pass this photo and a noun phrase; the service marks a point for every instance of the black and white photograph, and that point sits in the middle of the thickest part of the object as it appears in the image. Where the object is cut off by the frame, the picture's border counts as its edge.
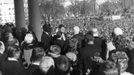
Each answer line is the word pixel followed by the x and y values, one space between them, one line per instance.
pixel 66 37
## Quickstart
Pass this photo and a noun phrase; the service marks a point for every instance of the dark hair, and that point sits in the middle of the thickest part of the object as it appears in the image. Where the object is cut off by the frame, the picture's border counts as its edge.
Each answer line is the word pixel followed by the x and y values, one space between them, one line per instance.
pixel 6 36
pixel 109 65
pixel 59 34
pixel 8 27
pixel 120 42
pixel 47 27
pixel 19 33
pixel 37 54
pixel 63 63
pixel 73 43
pixel 30 28
pixel 13 42
pixel 0 43
pixel 55 49
pixel 133 39
pixel 89 36
pixel 60 26
pixel 12 50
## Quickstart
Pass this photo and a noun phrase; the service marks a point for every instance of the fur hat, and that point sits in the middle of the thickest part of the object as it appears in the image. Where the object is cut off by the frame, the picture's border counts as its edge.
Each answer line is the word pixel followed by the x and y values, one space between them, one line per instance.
pixel 46 63
pixel 72 56
pixel 14 41
pixel 118 31
pixel 37 54
pixel 62 63
pixel 55 49
pixel 121 58
pixel 110 68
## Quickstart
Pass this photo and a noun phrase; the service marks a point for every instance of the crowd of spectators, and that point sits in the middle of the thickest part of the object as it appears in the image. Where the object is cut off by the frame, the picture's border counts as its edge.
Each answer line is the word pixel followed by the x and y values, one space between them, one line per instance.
pixel 105 27
pixel 75 47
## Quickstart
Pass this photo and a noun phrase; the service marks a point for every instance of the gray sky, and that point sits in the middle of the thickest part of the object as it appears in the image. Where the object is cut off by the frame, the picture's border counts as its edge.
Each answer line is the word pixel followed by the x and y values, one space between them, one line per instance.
pixel 8 1
pixel 98 2
pixel 66 4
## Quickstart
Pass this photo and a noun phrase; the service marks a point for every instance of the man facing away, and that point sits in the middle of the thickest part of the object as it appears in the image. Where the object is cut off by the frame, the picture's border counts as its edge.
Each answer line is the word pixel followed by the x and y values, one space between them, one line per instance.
pixel 12 66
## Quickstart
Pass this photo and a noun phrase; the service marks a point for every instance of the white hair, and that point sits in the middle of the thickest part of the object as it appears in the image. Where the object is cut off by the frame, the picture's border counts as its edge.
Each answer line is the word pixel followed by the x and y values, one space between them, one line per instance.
pixel 47 60
pixel 46 63
pixel 28 38
pixel 118 31
pixel 72 56
pixel 95 32
pixel 76 29
pixel 126 73
pixel 2 47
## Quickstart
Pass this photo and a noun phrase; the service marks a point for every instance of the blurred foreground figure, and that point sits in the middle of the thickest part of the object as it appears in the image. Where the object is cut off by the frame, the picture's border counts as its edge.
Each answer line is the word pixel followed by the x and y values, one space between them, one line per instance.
pixel 2 54
pixel 100 43
pixel 37 55
pixel 131 60
pixel 62 64
pixel 46 67
pixel 12 65
pixel 89 56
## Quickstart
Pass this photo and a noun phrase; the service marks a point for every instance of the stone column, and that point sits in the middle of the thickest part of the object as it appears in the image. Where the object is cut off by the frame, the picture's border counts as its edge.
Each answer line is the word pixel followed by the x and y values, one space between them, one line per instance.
pixel 35 17
pixel 19 13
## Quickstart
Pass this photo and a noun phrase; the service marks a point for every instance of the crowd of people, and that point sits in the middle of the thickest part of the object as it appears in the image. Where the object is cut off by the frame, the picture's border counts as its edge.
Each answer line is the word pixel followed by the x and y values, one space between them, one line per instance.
pixel 105 27
pixel 63 53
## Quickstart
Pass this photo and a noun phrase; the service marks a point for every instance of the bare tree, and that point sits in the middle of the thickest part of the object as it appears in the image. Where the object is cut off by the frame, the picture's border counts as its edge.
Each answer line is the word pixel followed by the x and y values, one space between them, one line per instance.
pixel 52 9
pixel 82 8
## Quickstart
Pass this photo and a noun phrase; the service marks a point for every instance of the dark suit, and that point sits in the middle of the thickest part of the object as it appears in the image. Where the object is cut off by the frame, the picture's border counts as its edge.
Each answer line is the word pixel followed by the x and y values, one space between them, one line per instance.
pixel 38 71
pixel 61 42
pixel 80 38
pixel 62 60
pixel 85 55
pixel 101 45
pixel 46 39
pixel 2 58
pixel 130 54
pixel 12 68
pixel 32 68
